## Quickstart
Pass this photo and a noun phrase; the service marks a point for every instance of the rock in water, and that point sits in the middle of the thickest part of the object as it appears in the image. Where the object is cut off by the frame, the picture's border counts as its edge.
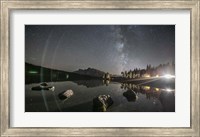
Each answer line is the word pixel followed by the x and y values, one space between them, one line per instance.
pixel 43 86
pixel 130 95
pixel 102 103
pixel 65 94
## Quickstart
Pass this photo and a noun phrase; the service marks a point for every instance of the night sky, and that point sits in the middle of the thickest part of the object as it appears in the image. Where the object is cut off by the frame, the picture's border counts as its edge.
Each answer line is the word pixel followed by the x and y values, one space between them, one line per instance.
pixel 110 48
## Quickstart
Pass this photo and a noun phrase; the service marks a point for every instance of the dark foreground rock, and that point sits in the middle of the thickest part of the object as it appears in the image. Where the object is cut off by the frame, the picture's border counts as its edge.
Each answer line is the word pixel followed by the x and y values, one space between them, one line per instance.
pixel 102 103
pixel 43 86
pixel 130 95
pixel 65 94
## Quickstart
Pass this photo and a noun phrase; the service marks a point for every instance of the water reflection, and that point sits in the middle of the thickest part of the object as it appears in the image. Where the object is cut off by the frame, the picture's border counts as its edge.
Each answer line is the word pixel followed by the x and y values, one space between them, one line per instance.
pixel 89 83
pixel 165 95
pixel 126 97
pixel 150 92
pixel 106 82
pixel 92 83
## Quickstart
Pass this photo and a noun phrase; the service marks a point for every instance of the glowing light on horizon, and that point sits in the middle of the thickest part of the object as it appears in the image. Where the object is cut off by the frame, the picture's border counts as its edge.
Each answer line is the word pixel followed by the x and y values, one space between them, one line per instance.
pixel 147 76
pixel 168 76
pixel 169 90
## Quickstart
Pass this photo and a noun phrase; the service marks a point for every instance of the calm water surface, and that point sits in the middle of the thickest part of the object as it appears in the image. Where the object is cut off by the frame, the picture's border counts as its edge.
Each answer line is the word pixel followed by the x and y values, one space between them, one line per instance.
pixel 149 99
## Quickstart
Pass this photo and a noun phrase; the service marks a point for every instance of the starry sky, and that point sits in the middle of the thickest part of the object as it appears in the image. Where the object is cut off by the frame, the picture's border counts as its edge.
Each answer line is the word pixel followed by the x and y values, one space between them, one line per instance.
pixel 109 48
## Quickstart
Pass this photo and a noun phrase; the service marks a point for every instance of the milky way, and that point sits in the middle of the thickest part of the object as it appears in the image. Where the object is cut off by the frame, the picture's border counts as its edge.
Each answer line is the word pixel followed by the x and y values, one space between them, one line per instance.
pixel 110 48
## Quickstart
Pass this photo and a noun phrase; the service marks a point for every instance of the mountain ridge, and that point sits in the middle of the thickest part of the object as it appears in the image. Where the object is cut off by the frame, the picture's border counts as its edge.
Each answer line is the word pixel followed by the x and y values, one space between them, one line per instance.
pixel 90 72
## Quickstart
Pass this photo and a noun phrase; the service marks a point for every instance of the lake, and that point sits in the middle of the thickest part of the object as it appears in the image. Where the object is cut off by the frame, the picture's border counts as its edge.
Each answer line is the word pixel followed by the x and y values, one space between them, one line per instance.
pixel 148 99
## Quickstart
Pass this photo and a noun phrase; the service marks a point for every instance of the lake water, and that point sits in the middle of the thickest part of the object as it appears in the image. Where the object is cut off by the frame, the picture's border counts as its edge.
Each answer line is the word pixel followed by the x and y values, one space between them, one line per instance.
pixel 149 99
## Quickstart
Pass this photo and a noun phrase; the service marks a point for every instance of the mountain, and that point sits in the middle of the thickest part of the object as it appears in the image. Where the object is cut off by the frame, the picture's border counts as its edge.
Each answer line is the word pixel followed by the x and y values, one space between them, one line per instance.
pixel 90 72
pixel 36 74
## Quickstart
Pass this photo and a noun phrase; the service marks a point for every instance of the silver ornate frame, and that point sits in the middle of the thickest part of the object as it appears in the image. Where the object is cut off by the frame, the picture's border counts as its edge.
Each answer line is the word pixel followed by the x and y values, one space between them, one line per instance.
pixel 8 5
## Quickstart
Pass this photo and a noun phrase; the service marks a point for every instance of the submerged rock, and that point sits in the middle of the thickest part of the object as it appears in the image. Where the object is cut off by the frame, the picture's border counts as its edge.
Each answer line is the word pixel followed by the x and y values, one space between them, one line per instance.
pixel 130 95
pixel 102 103
pixel 65 94
pixel 43 86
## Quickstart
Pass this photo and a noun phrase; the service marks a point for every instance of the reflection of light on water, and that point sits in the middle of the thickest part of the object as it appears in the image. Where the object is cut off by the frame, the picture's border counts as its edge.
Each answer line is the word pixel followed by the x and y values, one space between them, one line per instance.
pixel 154 101
pixel 106 82
pixel 52 89
pixel 130 85
pixel 146 87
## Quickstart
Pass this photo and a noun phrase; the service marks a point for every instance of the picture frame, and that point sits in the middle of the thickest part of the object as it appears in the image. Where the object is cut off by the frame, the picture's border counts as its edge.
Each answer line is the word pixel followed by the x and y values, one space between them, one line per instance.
pixel 8 6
